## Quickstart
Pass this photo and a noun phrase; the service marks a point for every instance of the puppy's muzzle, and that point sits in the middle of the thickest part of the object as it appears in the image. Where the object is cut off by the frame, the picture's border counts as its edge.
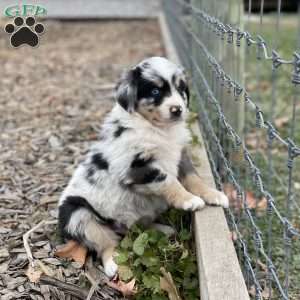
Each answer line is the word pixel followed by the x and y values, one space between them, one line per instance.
pixel 176 111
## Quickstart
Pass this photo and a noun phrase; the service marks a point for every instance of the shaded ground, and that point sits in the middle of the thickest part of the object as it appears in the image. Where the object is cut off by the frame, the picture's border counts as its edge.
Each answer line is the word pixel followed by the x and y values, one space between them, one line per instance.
pixel 52 101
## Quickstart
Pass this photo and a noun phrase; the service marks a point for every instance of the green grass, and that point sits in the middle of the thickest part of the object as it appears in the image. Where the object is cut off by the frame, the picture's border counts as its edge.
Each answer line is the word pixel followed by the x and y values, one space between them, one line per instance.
pixel 259 72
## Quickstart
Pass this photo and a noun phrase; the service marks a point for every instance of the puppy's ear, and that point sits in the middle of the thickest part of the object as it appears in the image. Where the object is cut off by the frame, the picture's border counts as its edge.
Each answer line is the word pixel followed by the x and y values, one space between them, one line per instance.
pixel 186 80
pixel 127 89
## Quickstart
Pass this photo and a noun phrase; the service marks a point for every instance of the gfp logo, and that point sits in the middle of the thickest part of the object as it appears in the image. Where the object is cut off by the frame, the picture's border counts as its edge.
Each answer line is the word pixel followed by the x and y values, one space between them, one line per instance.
pixel 25 10
pixel 24 30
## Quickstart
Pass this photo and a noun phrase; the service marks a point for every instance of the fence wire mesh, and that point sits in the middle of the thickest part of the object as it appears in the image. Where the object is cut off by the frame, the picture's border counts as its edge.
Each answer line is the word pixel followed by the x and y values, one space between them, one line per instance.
pixel 245 72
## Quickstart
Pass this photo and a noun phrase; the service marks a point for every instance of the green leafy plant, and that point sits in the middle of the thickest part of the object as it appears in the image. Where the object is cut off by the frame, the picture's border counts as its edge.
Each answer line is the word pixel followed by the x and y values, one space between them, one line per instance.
pixel 143 252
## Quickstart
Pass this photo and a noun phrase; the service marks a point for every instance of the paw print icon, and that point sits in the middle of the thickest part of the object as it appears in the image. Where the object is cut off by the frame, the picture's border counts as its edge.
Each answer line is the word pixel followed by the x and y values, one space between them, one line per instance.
pixel 24 31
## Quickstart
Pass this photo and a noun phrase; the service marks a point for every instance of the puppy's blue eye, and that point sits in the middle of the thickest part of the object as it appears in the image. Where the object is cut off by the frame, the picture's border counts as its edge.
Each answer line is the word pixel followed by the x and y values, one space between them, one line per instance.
pixel 155 92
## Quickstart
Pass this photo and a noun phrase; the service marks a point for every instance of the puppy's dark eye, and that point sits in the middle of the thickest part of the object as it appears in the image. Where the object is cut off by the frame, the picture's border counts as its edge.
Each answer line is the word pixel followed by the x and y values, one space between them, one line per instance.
pixel 155 92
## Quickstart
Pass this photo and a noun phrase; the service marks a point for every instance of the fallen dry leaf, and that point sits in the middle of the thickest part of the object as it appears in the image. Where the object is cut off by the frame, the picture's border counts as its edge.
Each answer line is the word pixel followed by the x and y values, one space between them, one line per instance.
pixel 167 285
pixel 253 203
pixel 251 200
pixel 262 204
pixel 280 122
pixel 73 250
pixel 231 193
pixel 263 85
pixel 256 140
pixel 33 273
pixel 262 266
pixel 264 293
pixel 127 289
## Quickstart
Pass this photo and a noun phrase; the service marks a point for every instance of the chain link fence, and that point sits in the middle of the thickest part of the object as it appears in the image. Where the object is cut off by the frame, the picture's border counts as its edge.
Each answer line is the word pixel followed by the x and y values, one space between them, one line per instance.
pixel 246 83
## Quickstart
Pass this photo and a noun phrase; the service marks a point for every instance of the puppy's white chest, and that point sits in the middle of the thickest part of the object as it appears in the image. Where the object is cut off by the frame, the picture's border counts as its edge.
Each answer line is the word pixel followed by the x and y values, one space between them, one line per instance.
pixel 170 148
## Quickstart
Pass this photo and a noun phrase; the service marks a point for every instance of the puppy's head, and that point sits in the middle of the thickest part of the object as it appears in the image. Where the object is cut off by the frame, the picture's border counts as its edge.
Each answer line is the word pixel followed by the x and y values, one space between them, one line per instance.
pixel 156 89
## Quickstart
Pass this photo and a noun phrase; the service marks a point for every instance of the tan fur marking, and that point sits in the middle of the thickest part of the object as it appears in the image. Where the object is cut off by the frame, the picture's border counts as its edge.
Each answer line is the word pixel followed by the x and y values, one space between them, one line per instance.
pixel 194 184
pixel 101 237
pixel 175 194
pixel 150 114
pixel 107 254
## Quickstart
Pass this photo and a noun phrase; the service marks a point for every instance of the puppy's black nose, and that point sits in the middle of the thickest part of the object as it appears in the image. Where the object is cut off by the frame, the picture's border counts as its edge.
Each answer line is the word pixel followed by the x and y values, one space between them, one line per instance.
pixel 176 111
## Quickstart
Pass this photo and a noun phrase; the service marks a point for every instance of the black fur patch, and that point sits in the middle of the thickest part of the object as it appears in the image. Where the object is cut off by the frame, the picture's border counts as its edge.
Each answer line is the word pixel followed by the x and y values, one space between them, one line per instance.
pixel 139 161
pixel 142 172
pixel 145 88
pixel 90 172
pixel 89 175
pixel 123 101
pixel 146 65
pixel 127 97
pixel 73 203
pixel 153 175
pixel 183 89
pixel 119 131
pixel 65 211
pixel 146 175
pixel 99 161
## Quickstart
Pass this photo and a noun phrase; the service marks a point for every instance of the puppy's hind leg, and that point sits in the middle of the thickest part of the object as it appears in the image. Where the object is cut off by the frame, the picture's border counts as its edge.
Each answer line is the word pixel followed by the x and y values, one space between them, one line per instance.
pixel 110 267
pixel 84 227
pixel 104 241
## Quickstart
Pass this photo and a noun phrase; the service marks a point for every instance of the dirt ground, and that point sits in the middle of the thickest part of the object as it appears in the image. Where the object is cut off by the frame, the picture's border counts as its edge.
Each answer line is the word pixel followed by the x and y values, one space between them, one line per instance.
pixel 52 101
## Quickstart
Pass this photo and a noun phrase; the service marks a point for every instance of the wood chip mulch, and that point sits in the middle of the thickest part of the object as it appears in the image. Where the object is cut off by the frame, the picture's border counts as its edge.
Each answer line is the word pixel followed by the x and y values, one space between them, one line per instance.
pixel 52 101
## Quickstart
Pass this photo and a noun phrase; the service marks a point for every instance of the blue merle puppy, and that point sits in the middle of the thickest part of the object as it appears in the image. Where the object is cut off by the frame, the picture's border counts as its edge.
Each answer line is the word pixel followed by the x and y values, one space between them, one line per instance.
pixel 140 166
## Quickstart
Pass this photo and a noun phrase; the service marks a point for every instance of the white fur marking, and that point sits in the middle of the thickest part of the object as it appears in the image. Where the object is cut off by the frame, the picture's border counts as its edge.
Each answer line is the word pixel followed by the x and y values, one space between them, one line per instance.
pixel 222 200
pixel 195 203
pixel 78 221
pixel 110 268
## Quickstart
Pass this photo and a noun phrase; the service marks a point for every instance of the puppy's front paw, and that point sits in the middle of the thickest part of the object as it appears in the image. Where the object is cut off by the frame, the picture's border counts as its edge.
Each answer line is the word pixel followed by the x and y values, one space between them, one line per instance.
pixel 110 268
pixel 195 203
pixel 223 200
pixel 217 198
